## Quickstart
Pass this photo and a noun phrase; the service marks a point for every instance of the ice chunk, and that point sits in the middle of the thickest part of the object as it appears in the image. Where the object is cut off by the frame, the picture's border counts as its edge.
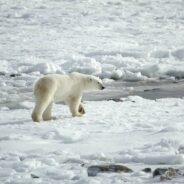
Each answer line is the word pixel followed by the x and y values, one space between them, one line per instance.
pixel 84 65
pixel 45 68
pixel 160 54
pixel 131 76
pixel 179 54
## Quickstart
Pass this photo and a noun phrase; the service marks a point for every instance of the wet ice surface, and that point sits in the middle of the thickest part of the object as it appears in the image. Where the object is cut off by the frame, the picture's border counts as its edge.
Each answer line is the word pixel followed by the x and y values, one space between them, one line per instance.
pixel 147 89
pixel 17 92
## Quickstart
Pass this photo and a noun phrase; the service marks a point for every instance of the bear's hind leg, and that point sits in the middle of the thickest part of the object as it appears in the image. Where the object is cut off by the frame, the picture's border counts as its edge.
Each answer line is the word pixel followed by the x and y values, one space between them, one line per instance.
pixel 47 114
pixel 39 109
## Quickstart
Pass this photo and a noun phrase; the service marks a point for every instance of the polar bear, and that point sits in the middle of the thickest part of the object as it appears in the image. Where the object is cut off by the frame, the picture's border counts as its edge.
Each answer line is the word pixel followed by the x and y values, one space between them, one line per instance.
pixel 62 88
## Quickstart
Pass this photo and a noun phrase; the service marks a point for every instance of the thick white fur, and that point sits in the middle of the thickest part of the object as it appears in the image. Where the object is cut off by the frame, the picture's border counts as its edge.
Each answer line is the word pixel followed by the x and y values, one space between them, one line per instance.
pixel 67 88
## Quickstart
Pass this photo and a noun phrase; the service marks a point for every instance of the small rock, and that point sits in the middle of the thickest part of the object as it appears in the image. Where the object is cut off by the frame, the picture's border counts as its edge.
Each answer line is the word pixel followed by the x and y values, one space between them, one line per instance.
pixel 94 170
pixel 14 75
pixel 161 171
pixel 155 89
pixel 147 90
pixel 163 178
pixel 116 99
pixel 166 173
pixel 169 174
pixel 34 176
pixel 147 170
pixel 82 165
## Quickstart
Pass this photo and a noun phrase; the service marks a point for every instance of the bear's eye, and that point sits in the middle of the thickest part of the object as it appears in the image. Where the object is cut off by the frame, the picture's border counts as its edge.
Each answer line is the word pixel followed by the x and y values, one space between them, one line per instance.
pixel 90 80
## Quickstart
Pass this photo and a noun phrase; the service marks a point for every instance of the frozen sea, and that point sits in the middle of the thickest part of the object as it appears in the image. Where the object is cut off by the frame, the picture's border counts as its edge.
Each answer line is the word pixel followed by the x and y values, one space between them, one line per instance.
pixel 136 121
pixel 131 40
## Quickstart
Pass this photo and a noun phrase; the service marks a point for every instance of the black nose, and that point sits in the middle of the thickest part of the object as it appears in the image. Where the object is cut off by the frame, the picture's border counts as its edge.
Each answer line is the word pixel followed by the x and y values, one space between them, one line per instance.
pixel 103 87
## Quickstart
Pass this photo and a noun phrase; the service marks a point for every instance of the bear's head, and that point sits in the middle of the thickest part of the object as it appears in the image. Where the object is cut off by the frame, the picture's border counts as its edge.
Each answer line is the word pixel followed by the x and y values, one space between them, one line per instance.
pixel 93 83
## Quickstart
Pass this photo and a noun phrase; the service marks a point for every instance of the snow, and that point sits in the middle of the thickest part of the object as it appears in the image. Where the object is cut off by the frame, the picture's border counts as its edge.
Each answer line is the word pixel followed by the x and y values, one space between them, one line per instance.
pixel 45 68
pixel 114 39
pixel 87 36
pixel 111 132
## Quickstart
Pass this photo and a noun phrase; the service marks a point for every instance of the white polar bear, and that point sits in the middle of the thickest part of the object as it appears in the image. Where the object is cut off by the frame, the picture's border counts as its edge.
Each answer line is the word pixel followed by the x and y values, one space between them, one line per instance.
pixel 67 88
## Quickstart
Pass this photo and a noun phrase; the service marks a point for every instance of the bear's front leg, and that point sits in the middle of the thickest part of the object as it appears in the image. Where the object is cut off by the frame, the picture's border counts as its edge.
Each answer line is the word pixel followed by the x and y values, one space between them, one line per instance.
pixel 81 109
pixel 47 115
pixel 74 106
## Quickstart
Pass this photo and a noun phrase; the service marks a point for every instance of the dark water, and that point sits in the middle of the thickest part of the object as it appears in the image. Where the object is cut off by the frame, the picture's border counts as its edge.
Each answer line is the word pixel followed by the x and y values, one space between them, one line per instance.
pixel 146 89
